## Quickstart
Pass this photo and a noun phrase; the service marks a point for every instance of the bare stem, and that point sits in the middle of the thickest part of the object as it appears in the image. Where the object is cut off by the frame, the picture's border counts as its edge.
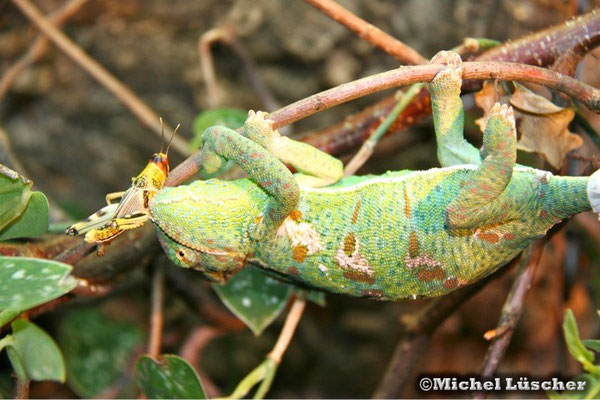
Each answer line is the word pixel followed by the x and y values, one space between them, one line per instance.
pixel 207 65
pixel 135 104
pixel 408 75
pixel 156 319
pixel 512 310
pixel 368 32
pixel 39 47
pixel 287 332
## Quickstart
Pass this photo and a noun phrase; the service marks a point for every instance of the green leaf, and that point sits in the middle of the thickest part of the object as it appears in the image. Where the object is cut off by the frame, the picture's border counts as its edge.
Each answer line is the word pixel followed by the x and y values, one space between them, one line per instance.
pixel 592 344
pixel 316 296
pixel 171 378
pixel 27 282
pixel 33 222
pixel 6 386
pixel 254 297
pixel 34 350
pixel 97 350
pixel 574 344
pixel 14 195
pixel 229 117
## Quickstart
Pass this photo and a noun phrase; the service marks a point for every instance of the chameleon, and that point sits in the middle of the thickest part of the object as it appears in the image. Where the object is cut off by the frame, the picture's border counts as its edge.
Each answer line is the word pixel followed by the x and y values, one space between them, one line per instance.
pixel 403 234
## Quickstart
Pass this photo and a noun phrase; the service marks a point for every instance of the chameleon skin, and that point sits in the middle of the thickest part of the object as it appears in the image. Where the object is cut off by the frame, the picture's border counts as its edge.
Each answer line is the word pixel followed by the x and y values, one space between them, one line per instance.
pixel 403 234
pixel 383 237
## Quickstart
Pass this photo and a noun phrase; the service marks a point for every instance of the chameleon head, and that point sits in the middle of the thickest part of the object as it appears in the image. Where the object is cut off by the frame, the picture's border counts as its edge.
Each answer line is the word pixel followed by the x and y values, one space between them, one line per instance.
pixel 200 226
pixel 215 269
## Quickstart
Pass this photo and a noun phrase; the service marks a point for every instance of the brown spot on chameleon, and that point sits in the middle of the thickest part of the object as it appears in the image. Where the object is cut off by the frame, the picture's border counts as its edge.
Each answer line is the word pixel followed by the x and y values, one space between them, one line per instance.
pixel 413 245
pixel 296 215
pixel 293 271
pixel 359 276
pixel 407 210
pixel 488 237
pixel 451 283
pixel 355 214
pixel 428 275
pixel 300 252
pixel 349 244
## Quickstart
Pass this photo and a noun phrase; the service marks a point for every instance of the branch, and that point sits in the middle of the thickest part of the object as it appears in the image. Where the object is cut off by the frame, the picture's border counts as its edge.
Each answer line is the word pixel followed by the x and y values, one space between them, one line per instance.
pixel 368 32
pixel 407 75
pixel 125 95
pixel 156 318
pixel 512 310
pixel 39 47
pixel 568 36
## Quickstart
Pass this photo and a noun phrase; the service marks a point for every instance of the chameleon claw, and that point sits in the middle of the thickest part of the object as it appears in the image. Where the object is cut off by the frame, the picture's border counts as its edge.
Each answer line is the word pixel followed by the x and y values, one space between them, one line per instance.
pixel 259 118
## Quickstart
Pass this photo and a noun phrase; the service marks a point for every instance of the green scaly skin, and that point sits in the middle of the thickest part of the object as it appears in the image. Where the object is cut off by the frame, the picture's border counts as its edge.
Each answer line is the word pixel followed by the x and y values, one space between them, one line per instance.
pixel 403 234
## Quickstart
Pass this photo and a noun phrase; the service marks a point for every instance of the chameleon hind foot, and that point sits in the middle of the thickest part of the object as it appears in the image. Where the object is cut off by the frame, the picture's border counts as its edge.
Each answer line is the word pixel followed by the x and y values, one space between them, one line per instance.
pixel 474 204
pixel 448 114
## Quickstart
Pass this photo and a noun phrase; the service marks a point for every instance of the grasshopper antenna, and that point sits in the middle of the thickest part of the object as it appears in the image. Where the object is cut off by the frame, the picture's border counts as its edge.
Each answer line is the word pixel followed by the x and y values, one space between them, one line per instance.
pixel 172 136
pixel 162 135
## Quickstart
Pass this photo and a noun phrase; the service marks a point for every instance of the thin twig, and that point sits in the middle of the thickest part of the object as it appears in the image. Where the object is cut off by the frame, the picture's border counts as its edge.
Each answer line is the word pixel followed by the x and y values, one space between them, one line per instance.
pixel 156 319
pixel 366 150
pixel 39 47
pixel 23 389
pixel 368 32
pixel 287 332
pixel 207 65
pixel 407 75
pixel 582 33
pixel 512 310
pixel 258 84
pixel 135 104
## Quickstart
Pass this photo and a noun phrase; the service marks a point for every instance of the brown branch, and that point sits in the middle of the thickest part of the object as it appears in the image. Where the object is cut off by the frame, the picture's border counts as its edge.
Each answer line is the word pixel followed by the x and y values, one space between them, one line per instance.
pixel 156 318
pixel 22 389
pixel 39 47
pixel 417 334
pixel 207 65
pixel 407 75
pixel 342 138
pixel 125 95
pixel 512 310
pixel 578 35
pixel 368 32
pixel 287 332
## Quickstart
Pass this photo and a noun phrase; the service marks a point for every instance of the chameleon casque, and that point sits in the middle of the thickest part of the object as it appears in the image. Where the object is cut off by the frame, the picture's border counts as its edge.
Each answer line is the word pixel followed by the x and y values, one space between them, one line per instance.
pixel 404 234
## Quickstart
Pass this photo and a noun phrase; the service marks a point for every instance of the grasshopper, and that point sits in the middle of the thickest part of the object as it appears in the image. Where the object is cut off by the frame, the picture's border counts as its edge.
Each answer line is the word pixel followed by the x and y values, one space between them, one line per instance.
pixel 131 211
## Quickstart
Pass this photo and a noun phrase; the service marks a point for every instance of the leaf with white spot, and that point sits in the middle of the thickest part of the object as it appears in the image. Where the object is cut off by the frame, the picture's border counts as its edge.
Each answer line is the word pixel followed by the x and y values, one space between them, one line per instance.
pixel 170 378
pixel 254 297
pixel 97 350
pixel 28 282
pixel 23 213
pixel 33 353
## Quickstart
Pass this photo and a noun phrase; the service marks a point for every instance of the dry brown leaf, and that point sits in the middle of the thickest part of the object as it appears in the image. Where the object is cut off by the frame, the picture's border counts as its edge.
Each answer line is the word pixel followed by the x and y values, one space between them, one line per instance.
pixel 543 126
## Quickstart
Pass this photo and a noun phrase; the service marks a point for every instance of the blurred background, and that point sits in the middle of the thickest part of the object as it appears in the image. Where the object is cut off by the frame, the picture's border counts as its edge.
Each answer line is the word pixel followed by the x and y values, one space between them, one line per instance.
pixel 77 143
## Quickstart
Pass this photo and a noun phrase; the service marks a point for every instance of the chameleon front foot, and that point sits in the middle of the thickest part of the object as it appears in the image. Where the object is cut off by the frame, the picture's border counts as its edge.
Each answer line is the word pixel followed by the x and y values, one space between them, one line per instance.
pixel 448 114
